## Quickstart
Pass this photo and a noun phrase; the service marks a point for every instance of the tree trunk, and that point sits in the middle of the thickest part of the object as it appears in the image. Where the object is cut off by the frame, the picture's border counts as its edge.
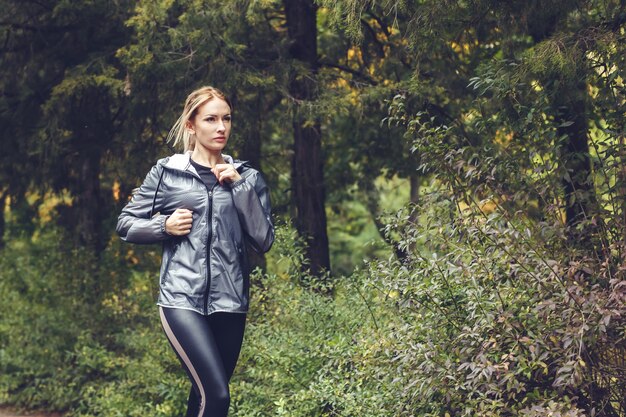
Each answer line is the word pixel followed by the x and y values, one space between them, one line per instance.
pixel 622 190
pixel 89 205
pixel 414 194
pixel 251 146
pixel 3 200
pixel 307 164
pixel 414 198
pixel 371 202
pixel 570 105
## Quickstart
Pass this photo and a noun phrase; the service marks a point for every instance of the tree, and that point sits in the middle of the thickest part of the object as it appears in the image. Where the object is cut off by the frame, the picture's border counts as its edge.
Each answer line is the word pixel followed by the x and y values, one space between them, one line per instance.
pixel 307 171
pixel 64 102
pixel 530 152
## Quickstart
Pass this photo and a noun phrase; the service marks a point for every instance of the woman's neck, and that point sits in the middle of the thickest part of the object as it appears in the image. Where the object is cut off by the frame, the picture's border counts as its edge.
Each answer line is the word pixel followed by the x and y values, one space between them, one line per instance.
pixel 206 157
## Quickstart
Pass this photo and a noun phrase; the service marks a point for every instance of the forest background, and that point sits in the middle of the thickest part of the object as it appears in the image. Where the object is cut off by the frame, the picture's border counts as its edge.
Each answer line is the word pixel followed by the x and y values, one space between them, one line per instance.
pixel 448 183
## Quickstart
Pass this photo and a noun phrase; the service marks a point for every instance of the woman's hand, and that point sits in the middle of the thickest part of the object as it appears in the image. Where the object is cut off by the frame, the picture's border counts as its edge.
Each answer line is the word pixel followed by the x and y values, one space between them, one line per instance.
pixel 179 223
pixel 226 172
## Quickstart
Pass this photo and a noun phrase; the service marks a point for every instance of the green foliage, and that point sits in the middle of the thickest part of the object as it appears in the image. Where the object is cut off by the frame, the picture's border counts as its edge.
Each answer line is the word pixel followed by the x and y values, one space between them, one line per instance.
pixel 493 324
pixel 482 319
pixel 500 306
pixel 530 318
pixel 299 358
pixel 303 354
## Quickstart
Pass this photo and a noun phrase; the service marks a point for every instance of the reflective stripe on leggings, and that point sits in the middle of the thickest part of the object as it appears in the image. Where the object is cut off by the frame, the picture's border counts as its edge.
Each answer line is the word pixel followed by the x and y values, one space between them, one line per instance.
pixel 179 349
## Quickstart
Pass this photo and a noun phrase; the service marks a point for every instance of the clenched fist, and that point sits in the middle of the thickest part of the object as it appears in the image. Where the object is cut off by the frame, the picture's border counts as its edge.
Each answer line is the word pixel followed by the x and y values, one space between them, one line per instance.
pixel 179 223
pixel 226 172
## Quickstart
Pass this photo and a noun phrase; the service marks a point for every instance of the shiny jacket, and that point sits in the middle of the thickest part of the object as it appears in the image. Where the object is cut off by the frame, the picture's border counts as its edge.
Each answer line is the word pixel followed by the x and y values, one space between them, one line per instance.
pixel 206 270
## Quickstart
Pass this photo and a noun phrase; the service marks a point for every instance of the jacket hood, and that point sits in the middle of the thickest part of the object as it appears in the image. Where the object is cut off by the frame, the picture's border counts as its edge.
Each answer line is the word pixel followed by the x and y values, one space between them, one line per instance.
pixel 181 161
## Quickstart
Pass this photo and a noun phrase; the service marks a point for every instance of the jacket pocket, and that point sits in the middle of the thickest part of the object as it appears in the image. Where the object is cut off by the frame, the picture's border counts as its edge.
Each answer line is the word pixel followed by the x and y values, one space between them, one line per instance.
pixel 243 261
pixel 172 253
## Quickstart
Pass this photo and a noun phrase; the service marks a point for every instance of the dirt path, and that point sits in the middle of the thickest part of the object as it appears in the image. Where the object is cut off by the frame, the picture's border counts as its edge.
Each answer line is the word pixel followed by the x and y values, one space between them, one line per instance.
pixel 8 412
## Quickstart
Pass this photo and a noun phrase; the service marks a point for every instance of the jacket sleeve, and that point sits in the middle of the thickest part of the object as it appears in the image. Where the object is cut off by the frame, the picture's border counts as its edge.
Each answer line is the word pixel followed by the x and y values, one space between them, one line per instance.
pixel 252 201
pixel 134 223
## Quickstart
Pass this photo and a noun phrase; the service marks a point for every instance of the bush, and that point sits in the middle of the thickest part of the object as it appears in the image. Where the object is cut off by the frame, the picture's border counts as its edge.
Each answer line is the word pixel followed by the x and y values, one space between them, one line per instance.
pixel 80 334
pixel 485 317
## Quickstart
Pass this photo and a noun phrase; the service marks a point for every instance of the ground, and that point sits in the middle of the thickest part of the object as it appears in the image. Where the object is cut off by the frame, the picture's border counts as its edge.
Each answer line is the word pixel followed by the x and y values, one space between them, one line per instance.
pixel 8 412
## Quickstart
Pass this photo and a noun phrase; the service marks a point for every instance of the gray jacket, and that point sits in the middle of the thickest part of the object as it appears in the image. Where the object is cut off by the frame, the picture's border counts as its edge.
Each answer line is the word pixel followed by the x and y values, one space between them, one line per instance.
pixel 206 270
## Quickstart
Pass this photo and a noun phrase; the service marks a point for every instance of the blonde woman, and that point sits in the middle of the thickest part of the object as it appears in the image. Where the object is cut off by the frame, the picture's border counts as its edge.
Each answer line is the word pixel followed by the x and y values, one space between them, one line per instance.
pixel 202 205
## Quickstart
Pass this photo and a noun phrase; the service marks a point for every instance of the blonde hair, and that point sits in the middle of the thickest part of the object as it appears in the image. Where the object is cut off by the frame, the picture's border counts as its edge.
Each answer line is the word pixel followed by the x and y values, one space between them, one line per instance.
pixel 195 99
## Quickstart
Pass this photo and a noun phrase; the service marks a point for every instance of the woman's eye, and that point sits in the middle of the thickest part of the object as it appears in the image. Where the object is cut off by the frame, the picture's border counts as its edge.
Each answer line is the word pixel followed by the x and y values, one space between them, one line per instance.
pixel 210 119
pixel 227 119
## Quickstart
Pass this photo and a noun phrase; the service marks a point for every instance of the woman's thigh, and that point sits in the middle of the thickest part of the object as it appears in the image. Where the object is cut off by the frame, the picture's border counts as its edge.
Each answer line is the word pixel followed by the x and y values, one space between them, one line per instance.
pixel 192 337
pixel 228 329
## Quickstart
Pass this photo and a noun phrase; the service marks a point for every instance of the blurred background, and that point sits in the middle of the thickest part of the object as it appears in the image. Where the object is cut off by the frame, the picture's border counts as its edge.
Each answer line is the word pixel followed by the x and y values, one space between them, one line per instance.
pixel 448 185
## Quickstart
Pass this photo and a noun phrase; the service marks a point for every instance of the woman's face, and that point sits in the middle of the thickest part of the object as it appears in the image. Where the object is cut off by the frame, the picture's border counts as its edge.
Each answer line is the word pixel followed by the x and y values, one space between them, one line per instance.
pixel 211 124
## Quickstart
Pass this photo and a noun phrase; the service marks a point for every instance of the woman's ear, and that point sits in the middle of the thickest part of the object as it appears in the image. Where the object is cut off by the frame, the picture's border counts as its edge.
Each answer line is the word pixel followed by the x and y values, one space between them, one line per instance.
pixel 189 127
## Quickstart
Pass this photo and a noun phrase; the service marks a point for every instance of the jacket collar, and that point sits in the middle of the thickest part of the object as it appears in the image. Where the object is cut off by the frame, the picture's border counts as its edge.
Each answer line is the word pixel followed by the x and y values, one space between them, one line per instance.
pixel 181 161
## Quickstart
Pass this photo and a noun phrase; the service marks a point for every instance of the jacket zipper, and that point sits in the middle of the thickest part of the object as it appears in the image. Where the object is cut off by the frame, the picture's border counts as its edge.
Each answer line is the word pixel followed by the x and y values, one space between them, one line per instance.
pixel 208 248
pixel 209 236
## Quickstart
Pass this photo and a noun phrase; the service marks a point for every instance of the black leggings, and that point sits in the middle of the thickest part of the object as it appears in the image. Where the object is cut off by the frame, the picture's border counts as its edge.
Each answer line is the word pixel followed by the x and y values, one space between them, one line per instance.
pixel 208 348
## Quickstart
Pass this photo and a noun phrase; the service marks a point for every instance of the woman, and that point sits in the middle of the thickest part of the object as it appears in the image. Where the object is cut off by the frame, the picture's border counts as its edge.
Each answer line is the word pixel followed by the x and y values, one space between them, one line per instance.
pixel 207 205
